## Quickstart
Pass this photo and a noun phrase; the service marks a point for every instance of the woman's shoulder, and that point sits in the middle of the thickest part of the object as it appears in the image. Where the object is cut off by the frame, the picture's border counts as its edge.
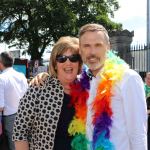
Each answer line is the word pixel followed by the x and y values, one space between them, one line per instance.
pixel 52 81
pixel 50 84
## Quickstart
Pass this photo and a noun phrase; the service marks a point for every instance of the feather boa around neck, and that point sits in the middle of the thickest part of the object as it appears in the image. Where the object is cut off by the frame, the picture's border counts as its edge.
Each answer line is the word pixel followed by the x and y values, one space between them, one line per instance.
pixel 111 73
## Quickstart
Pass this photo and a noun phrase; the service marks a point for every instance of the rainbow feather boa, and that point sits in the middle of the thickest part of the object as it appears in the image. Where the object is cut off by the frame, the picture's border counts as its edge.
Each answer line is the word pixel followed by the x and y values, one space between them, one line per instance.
pixel 111 73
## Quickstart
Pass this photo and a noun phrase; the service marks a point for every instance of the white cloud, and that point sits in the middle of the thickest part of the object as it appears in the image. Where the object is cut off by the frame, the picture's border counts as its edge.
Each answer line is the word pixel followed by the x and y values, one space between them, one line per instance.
pixel 132 14
pixel 3 47
pixel 131 8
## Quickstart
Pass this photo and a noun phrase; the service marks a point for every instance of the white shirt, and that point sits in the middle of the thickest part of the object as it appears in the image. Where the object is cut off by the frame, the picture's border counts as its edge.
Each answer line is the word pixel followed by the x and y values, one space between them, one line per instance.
pixel 129 126
pixel 13 85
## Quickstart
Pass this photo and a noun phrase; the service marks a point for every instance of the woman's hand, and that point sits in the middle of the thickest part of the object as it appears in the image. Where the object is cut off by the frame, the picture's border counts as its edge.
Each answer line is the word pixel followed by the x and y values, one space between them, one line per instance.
pixel 21 145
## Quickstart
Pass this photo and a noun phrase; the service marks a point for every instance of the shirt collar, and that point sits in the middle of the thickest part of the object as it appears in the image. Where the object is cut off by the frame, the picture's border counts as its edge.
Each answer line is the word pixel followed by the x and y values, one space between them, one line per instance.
pixel 90 74
pixel 5 70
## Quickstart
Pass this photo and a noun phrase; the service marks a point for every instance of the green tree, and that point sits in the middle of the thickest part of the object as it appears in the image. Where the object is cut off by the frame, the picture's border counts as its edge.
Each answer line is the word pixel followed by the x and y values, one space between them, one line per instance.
pixel 34 24
pixel 97 11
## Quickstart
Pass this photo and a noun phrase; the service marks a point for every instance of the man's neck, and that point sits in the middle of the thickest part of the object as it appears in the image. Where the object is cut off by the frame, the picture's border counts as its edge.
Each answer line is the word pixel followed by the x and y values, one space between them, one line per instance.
pixel 4 68
pixel 95 72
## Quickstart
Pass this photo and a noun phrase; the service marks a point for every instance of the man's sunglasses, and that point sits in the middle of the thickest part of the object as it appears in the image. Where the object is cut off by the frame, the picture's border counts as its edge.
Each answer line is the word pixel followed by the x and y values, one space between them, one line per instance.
pixel 72 58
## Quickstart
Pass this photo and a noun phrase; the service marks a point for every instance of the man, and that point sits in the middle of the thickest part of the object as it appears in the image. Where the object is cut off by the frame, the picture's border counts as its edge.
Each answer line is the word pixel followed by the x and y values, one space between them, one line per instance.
pixel 116 108
pixel 128 130
pixel 147 91
pixel 147 84
pixel 13 85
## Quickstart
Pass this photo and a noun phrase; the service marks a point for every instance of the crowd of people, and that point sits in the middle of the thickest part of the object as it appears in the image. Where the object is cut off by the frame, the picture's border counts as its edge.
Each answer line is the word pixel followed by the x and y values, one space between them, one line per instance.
pixel 70 108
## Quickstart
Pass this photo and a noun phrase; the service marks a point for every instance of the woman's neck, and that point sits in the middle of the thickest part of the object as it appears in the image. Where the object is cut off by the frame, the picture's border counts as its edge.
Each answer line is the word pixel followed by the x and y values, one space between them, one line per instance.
pixel 66 88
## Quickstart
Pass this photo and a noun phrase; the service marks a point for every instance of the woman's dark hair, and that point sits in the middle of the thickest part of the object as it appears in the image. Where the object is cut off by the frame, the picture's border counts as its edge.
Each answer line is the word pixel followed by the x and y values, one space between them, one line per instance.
pixel 6 59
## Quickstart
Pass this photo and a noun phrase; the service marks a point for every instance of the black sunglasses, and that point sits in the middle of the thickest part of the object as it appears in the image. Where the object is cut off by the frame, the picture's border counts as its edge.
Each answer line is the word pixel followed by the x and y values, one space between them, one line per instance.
pixel 72 58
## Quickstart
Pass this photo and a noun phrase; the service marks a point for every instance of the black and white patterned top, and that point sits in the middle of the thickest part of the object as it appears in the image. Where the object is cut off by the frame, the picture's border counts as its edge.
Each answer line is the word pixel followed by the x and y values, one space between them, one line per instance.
pixel 38 115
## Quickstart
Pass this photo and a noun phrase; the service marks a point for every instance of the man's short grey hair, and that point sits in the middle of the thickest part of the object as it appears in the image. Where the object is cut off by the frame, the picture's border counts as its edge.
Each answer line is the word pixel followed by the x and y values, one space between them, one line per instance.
pixel 94 27
pixel 6 59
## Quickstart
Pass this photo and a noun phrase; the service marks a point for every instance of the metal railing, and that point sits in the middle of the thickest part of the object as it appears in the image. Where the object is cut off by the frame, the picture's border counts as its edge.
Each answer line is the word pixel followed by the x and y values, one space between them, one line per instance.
pixel 138 57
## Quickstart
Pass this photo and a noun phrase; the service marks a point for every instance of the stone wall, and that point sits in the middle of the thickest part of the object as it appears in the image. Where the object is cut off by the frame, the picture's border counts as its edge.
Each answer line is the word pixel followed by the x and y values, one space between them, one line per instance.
pixel 121 41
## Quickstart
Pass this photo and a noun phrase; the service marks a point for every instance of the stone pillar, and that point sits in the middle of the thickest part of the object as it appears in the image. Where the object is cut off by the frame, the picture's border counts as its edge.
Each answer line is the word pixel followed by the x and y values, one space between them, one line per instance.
pixel 120 41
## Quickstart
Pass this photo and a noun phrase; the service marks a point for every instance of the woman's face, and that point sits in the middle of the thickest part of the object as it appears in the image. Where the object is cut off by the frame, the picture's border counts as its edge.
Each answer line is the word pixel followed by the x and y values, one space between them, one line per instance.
pixel 67 70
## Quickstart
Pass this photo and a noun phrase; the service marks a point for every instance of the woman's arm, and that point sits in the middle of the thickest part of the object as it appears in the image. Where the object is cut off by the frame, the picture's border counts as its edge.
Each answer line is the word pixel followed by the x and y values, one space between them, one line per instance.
pixel 21 145
pixel 24 120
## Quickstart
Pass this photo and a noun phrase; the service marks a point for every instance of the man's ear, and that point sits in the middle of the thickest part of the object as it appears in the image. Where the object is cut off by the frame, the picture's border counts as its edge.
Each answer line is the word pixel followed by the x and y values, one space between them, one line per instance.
pixel 1 66
pixel 109 46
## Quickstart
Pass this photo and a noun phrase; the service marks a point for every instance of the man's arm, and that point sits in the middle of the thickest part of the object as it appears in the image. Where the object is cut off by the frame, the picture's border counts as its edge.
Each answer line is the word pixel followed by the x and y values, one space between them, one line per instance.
pixel 1 95
pixel 135 109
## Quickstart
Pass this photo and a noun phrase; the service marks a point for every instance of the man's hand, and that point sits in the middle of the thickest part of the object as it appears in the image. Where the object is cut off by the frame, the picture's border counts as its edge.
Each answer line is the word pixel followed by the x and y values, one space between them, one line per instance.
pixel 148 111
pixel 39 79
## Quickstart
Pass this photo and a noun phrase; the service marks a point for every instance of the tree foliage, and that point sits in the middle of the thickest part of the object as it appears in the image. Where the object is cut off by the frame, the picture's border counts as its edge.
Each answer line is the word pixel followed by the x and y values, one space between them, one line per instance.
pixel 34 24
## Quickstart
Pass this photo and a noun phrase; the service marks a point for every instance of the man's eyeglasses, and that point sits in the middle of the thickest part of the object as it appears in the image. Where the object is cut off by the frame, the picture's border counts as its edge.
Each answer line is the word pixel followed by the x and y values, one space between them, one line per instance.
pixel 73 58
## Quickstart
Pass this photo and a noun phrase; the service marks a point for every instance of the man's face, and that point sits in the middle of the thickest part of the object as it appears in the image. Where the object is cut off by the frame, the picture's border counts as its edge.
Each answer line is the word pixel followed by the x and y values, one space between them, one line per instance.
pixel 147 80
pixel 1 65
pixel 93 49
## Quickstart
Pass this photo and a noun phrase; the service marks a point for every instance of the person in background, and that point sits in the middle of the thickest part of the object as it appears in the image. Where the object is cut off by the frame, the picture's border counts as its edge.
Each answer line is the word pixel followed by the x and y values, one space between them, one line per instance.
pixel 13 85
pixel 147 92
pixel 114 115
pixel 45 112
pixel 147 84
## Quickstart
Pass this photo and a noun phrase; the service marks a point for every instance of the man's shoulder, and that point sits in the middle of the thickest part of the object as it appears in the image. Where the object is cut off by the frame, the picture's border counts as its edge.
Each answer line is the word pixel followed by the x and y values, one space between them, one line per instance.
pixel 130 73
pixel 130 77
pixel 15 75
pixel 19 74
pixel 3 75
pixel 11 72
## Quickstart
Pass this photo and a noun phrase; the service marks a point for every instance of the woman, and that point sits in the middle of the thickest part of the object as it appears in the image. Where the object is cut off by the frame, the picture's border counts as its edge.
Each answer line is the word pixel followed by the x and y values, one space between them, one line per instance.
pixel 44 113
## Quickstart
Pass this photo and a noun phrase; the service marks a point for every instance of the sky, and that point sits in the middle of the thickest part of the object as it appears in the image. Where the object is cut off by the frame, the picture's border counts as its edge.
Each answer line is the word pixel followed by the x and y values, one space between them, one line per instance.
pixel 132 14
